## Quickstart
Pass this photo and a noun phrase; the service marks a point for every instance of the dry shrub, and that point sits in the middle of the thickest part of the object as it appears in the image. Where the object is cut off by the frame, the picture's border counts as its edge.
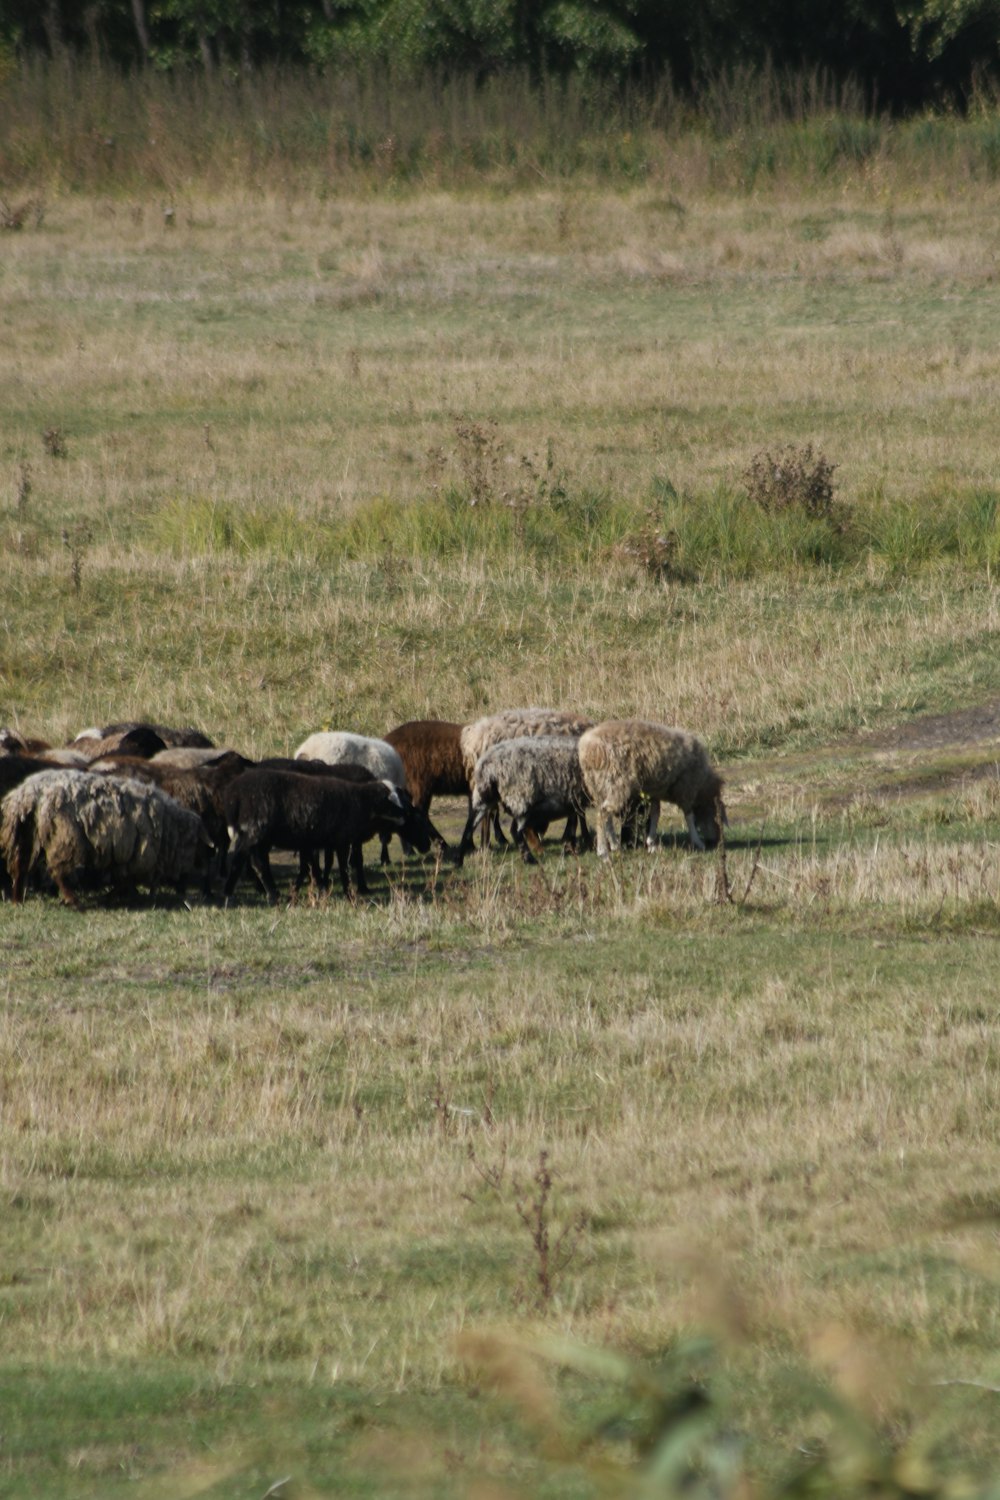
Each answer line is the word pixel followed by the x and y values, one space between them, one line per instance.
pixel 654 550
pixel 14 216
pixel 792 479
pixel 480 458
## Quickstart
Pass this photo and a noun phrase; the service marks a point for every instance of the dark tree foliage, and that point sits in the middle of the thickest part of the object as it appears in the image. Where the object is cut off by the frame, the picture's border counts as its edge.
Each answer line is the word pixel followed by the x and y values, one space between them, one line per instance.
pixel 903 53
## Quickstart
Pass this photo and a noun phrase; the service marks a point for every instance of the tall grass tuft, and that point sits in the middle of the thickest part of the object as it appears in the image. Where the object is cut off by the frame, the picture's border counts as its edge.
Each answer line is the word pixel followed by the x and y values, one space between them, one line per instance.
pixel 79 126
pixel 720 534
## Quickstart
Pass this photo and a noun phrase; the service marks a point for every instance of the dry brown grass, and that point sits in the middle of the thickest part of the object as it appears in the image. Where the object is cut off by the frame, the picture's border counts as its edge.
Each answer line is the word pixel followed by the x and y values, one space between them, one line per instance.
pixel 322 351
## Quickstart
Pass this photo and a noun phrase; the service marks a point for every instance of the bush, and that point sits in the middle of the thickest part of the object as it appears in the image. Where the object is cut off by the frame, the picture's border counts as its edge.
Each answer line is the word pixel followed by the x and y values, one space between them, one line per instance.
pixel 792 479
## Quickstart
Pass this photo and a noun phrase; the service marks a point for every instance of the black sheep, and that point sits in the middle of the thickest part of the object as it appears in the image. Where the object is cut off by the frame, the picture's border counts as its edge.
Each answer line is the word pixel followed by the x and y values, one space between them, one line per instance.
pixel 266 809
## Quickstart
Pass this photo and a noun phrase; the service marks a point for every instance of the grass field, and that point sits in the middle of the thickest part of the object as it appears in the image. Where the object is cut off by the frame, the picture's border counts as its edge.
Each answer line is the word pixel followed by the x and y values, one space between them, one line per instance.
pixel 274 461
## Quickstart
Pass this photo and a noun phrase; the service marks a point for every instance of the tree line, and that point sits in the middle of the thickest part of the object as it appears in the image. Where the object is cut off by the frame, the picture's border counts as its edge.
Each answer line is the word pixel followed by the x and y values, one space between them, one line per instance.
pixel 903 53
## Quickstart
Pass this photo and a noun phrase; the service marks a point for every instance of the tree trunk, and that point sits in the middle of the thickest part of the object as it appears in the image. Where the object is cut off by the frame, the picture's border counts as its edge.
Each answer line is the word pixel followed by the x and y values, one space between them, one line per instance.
pixel 52 21
pixel 141 29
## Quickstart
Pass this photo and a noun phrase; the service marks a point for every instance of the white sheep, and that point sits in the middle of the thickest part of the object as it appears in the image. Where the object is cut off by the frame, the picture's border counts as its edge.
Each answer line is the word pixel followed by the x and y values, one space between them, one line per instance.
pixel 338 746
pixel 622 759
pixel 536 778
pixel 86 824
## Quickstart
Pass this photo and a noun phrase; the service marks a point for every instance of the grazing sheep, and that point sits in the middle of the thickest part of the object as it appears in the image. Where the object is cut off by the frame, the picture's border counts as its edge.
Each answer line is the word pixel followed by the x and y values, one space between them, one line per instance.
pixel 198 788
pixel 338 746
pixel 536 778
pixel 83 824
pixel 431 752
pixel 140 740
pixel 625 758
pixel 288 810
pixel 511 724
pixel 13 743
pixel 61 755
pixel 190 757
pixel 13 770
pixel 171 736
pixel 417 830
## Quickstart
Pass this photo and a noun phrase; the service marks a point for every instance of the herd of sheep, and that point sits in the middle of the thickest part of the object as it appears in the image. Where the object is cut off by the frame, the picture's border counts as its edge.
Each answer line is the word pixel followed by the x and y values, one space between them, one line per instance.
pixel 145 804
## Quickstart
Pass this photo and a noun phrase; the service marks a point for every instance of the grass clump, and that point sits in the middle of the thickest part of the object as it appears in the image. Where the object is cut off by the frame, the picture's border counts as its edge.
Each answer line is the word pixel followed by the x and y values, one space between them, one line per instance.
pixel 786 521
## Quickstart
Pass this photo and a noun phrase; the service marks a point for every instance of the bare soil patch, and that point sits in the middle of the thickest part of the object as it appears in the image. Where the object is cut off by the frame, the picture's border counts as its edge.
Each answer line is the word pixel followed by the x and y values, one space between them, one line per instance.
pixel 966 726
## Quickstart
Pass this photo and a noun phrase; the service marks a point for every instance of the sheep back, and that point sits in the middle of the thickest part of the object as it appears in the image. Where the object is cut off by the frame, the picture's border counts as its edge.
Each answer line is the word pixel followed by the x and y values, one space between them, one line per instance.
pixel 190 757
pixel 517 723
pixel 360 750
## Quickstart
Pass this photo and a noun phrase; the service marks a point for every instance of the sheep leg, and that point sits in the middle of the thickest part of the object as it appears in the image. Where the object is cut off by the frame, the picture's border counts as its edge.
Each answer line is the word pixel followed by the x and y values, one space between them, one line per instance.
pixel 498 831
pixel 521 833
pixel 342 855
pixel 467 843
pixel 532 841
pixel 696 838
pixel 260 864
pixel 236 866
pixel 266 876
pixel 651 826
pixel 308 870
pixel 424 806
pixel 65 890
pixel 607 838
pixel 630 823
pixel 20 861
pixel 358 866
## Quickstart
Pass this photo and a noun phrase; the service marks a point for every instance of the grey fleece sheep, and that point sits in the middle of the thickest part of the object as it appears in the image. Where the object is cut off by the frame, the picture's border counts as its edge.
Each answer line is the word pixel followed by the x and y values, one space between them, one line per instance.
pixel 81 824
pixel 514 724
pixel 510 724
pixel 198 788
pixel 622 759
pixel 536 779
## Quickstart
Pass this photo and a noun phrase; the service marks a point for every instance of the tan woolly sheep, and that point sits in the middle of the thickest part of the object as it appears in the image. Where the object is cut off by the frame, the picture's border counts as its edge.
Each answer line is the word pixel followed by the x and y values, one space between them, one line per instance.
pixel 85 824
pixel 622 759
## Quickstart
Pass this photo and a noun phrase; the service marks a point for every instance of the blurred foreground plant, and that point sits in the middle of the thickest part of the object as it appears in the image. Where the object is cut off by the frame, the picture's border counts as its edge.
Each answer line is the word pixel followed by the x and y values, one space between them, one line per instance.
pixel 668 1429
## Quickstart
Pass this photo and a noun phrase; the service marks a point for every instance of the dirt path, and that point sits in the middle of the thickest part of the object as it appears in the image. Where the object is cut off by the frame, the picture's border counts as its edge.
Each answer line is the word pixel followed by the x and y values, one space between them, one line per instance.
pixel 967 726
